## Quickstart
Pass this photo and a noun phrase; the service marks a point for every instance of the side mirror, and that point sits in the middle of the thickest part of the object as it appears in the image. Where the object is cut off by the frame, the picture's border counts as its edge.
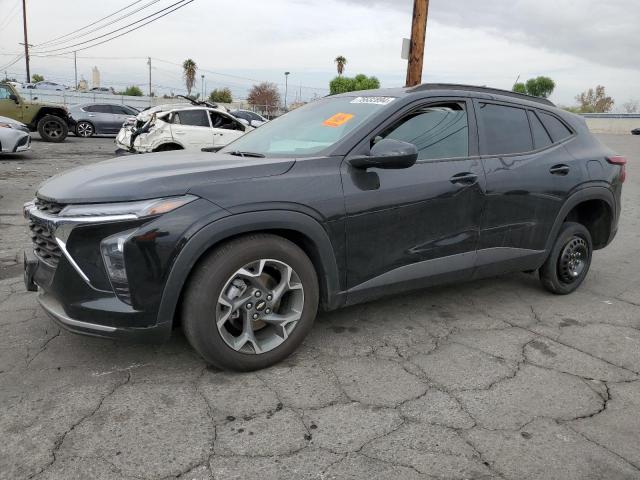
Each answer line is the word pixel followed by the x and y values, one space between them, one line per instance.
pixel 13 97
pixel 388 154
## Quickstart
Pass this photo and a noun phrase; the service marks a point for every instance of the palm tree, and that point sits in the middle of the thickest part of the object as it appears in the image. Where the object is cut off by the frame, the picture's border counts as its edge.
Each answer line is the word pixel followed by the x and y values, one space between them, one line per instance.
pixel 189 69
pixel 340 63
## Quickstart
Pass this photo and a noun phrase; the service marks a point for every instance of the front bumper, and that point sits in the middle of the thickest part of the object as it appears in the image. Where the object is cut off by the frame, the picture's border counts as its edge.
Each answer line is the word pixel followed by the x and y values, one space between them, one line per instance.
pixel 55 310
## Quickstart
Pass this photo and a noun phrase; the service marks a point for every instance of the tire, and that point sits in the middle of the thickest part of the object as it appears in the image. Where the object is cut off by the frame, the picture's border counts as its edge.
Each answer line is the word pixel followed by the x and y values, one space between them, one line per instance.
pixel 569 260
pixel 52 129
pixel 85 129
pixel 204 305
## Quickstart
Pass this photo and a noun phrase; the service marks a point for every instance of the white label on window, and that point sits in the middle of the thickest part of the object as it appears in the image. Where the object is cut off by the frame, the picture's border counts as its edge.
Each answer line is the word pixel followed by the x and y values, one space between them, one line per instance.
pixel 373 100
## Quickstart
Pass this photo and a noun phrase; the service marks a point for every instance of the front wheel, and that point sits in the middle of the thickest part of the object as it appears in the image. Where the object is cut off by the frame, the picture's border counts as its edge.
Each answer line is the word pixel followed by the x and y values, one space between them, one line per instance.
pixel 250 303
pixel 52 129
pixel 569 260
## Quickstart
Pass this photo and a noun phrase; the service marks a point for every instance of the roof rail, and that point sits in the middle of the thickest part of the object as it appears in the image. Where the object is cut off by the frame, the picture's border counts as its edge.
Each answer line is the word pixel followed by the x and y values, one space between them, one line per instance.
pixel 472 88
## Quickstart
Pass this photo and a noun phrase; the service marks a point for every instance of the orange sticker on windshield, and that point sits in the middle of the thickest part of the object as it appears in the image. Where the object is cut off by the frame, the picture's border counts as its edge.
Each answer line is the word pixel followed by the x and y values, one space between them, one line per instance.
pixel 337 119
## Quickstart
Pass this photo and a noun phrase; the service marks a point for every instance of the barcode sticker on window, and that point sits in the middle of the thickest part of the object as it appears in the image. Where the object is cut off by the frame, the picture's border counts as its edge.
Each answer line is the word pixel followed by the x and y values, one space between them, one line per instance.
pixel 373 100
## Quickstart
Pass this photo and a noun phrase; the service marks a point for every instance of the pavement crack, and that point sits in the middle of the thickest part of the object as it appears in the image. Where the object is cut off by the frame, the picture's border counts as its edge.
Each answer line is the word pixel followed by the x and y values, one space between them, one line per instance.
pixel 43 347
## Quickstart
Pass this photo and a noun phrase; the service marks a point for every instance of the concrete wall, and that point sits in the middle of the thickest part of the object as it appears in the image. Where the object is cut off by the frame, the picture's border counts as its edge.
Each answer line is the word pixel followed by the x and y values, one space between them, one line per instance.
pixel 612 123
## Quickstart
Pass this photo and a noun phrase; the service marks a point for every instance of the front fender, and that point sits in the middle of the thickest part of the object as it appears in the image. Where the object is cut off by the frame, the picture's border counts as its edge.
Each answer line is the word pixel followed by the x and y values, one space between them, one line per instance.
pixel 264 221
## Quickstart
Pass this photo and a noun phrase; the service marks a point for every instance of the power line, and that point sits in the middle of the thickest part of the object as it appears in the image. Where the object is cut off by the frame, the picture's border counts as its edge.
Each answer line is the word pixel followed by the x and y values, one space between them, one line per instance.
pixel 180 4
pixel 89 25
pixel 10 15
pixel 116 20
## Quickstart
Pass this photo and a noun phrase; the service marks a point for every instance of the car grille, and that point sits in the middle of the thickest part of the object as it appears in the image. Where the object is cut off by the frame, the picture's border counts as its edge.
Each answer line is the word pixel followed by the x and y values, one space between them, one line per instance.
pixel 52 208
pixel 44 244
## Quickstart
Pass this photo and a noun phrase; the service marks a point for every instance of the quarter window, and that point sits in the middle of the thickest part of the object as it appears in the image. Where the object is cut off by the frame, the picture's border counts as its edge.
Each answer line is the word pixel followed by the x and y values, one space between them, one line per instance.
pixel 4 93
pixel 541 138
pixel 556 128
pixel 197 118
pixel 438 131
pixel 505 130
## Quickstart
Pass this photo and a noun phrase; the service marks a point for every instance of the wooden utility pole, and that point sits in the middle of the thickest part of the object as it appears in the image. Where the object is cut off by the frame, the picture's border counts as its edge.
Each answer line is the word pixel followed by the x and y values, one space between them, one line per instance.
pixel 26 41
pixel 416 48
pixel 149 63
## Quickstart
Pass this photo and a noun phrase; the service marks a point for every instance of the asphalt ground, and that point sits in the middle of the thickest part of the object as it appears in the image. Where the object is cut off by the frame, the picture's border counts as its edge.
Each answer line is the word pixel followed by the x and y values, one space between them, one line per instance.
pixel 490 379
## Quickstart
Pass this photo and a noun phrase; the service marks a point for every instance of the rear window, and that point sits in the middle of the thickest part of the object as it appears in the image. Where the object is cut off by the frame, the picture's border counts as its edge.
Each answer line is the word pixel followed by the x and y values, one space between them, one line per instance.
pixel 555 127
pixel 197 118
pixel 505 130
pixel 541 138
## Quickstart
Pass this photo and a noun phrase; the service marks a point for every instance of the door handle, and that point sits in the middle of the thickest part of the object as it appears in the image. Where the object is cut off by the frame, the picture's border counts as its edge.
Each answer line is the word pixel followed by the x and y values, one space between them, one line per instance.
pixel 559 169
pixel 464 178
pixel 90 115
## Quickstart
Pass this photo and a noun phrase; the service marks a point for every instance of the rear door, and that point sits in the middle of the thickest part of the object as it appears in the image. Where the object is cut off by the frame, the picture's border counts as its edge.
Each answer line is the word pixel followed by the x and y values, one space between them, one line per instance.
pixel 191 129
pixel 529 176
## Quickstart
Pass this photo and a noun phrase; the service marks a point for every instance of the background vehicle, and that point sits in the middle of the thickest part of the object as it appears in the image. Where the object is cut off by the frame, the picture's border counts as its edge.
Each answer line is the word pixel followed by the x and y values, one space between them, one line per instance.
pixel 635 131
pixel 14 136
pixel 252 118
pixel 100 90
pixel 51 121
pixel 47 85
pixel 180 127
pixel 337 202
pixel 99 118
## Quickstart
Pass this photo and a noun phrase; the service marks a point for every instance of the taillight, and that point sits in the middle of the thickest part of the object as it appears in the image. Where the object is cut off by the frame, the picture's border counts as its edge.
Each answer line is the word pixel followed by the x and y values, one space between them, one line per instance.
pixel 619 160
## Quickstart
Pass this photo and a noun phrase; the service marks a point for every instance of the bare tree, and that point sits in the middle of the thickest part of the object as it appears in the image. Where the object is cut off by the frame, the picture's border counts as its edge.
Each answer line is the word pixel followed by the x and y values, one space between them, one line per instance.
pixel 632 106
pixel 595 101
pixel 264 96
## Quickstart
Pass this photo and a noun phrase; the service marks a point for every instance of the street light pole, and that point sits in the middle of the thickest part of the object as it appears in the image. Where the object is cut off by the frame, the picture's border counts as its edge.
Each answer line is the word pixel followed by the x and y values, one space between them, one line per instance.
pixel 286 87
pixel 75 69
pixel 202 87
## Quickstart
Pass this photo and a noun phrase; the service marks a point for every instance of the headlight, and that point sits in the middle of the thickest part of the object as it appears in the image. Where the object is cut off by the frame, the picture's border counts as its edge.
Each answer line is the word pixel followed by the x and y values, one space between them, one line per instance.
pixel 112 249
pixel 6 125
pixel 128 210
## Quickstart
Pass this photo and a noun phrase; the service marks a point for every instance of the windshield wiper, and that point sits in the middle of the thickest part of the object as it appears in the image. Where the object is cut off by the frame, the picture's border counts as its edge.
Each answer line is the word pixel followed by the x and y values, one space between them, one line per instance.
pixel 238 153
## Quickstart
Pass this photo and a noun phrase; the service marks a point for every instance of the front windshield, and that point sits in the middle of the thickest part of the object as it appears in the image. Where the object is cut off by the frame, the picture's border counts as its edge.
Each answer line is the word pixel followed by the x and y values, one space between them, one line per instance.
pixel 310 129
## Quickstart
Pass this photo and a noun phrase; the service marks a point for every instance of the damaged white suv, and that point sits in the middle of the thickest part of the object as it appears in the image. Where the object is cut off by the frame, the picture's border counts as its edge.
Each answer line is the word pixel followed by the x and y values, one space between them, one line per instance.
pixel 180 127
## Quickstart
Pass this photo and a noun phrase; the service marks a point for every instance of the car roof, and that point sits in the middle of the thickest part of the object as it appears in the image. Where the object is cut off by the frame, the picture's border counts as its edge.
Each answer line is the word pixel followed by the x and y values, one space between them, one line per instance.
pixel 450 89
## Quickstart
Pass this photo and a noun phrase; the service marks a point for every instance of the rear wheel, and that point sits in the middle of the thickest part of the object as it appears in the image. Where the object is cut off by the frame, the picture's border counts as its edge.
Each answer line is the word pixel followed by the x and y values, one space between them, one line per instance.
pixel 250 303
pixel 85 129
pixel 569 260
pixel 52 129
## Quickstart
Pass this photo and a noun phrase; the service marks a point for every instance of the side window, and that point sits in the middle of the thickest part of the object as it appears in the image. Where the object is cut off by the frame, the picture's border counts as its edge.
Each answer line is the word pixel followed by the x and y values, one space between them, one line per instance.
pixel 4 92
pixel 101 109
pixel 504 130
pixel 90 108
pixel 197 118
pixel 541 138
pixel 119 110
pixel 438 131
pixel 556 128
pixel 226 122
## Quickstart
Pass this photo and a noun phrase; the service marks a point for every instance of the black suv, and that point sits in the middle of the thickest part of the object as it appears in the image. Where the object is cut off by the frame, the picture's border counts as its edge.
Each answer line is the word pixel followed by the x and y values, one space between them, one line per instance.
pixel 340 201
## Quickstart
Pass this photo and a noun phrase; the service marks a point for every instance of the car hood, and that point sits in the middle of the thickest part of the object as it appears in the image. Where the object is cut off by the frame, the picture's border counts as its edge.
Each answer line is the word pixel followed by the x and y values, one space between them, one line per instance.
pixel 154 175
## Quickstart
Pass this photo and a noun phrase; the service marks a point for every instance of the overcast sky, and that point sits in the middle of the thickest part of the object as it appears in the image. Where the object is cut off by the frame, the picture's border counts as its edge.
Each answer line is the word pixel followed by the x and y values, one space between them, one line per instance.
pixel 579 43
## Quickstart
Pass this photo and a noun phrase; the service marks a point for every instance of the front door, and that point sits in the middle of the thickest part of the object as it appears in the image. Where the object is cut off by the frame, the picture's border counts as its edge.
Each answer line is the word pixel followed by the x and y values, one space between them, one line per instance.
pixel 413 227
pixel 9 108
pixel 225 128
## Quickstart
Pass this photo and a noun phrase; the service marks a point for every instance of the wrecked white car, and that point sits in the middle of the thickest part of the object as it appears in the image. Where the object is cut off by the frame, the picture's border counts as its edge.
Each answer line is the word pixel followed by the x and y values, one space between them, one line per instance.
pixel 179 127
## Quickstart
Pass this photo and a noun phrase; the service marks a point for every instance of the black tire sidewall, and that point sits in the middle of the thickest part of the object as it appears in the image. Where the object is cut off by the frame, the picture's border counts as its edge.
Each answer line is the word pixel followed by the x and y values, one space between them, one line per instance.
pixel 549 271
pixel 50 118
pixel 210 277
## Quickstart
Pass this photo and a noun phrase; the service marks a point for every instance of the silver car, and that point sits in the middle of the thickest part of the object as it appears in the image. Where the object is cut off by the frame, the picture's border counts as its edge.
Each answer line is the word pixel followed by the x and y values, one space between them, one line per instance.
pixel 14 136
pixel 100 118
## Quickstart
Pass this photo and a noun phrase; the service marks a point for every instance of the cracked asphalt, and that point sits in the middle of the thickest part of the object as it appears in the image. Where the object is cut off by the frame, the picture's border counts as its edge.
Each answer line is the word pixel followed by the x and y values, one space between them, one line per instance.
pixel 492 379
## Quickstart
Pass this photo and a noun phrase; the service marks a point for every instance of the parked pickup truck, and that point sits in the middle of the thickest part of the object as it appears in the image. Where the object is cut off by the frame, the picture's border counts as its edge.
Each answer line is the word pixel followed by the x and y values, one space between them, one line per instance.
pixel 50 120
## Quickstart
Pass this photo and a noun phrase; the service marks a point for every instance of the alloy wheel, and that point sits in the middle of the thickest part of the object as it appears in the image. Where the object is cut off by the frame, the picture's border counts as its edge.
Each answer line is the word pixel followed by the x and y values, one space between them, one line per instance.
pixel 53 129
pixel 84 129
pixel 260 305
